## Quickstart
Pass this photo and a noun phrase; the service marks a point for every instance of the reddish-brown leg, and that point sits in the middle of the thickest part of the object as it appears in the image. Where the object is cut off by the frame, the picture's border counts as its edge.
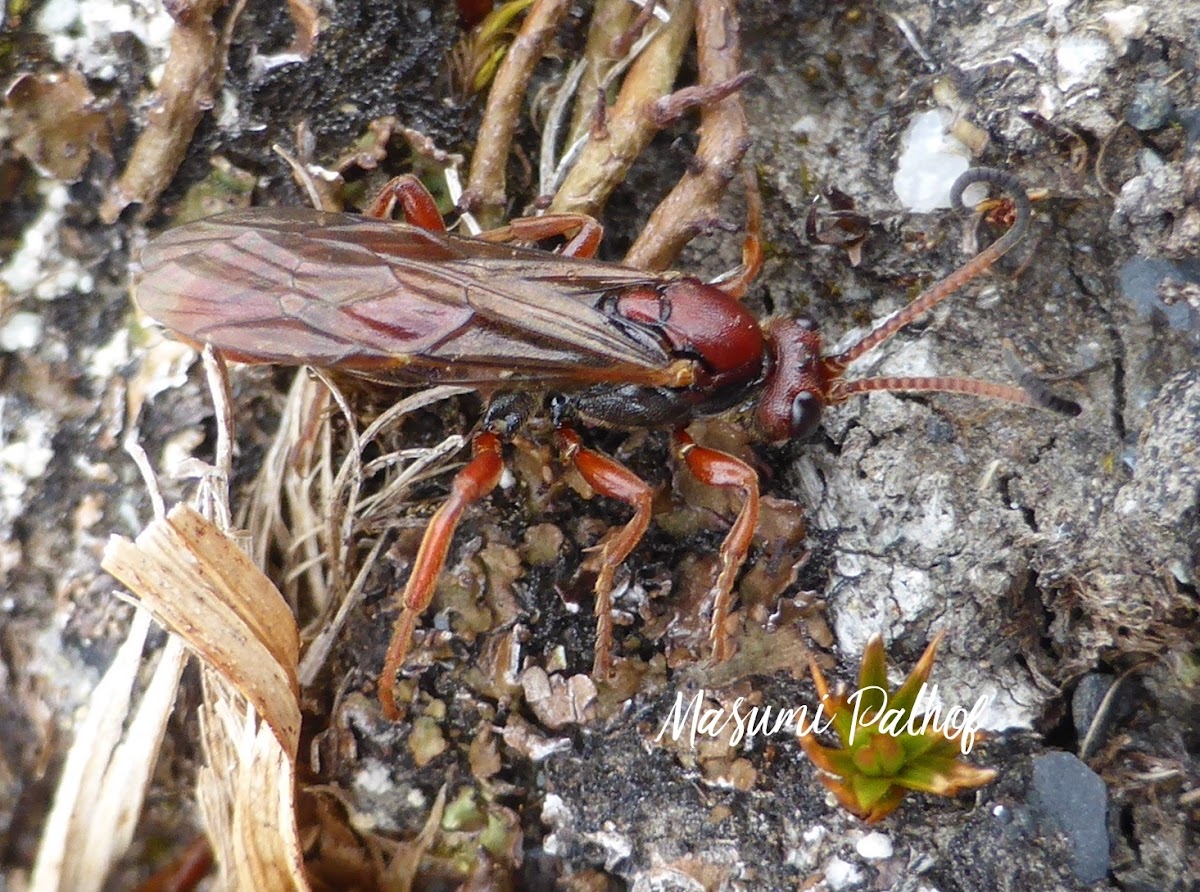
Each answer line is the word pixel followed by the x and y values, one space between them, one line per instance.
pixel 472 483
pixel 414 199
pixel 609 478
pixel 737 284
pixel 421 210
pixel 185 873
pixel 584 242
pixel 722 470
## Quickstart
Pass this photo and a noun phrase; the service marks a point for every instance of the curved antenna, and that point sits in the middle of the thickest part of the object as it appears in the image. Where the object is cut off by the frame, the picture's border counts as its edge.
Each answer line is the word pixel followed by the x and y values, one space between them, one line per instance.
pixel 977 265
pixel 1031 391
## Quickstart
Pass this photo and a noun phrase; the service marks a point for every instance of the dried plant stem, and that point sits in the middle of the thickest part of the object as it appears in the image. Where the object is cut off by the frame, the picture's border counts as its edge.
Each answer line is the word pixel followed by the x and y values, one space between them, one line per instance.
pixel 603 164
pixel 694 202
pixel 190 85
pixel 486 183
pixel 284 489
pixel 108 768
pixel 610 18
pixel 217 374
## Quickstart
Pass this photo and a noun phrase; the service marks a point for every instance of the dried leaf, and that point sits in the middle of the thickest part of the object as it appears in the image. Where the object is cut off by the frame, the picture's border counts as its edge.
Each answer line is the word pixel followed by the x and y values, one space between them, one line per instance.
pixel 56 123
pixel 104 780
pixel 196 581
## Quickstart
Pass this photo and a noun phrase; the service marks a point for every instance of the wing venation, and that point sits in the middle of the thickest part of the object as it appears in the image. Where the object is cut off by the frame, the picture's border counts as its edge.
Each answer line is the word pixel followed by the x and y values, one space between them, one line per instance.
pixel 296 286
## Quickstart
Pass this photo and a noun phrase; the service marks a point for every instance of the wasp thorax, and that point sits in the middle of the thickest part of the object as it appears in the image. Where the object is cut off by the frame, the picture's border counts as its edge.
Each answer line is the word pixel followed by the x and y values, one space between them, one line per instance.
pixel 701 322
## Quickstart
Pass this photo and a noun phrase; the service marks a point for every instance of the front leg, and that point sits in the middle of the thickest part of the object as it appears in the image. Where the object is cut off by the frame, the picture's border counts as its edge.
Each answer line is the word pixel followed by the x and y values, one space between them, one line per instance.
pixel 472 483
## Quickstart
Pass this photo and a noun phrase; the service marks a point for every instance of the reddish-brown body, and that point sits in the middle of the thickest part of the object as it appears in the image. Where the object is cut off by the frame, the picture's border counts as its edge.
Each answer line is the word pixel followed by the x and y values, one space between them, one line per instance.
pixel 410 304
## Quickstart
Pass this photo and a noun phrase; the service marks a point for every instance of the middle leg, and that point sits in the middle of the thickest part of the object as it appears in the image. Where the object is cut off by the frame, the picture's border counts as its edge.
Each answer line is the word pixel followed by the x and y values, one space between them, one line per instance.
pixel 722 470
pixel 472 483
pixel 609 478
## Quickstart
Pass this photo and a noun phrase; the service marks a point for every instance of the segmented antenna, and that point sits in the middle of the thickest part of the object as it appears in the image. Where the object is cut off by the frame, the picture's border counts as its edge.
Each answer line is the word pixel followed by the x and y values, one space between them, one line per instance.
pixel 1031 392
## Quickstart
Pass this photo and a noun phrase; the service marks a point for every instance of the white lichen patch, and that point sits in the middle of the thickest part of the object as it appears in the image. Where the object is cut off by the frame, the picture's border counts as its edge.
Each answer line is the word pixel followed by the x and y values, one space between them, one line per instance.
pixel 25 453
pixel 81 32
pixel 877 597
pixel 805 855
pixel 1012 701
pixel 37 268
pixel 373 796
pixel 616 846
pixel 21 332
pixel 108 359
pixel 62 678
pixel 164 366
pixel 1081 59
pixel 374 779
pixel 178 452
pixel 841 875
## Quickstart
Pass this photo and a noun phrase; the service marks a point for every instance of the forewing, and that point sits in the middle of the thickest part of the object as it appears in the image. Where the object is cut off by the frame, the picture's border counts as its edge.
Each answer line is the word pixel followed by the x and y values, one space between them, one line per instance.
pixel 307 287
pixel 271 286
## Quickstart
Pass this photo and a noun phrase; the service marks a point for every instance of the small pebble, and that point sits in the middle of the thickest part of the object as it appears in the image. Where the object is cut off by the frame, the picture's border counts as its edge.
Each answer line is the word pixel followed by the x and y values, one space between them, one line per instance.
pixel 1140 279
pixel 1148 160
pixel 939 431
pixel 1125 26
pixel 1086 700
pixel 929 163
pixel 1151 107
pixel 1189 120
pixel 874 847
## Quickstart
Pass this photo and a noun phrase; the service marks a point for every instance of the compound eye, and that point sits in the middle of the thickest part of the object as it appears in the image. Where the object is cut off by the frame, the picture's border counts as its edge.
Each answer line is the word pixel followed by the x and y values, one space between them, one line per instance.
pixel 806 415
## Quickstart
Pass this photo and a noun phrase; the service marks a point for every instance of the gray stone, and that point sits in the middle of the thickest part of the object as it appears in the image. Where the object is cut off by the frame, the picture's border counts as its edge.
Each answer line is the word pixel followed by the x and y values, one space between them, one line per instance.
pixel 1070 798
pixel 1151 107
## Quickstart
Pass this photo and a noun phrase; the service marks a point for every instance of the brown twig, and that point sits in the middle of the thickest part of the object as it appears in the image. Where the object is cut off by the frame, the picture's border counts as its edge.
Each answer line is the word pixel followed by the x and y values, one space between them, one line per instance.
pixel 623 42
pixel 190 84
pixel 671 108
pixel 694 202
pixel 603 164
pixel 610 18
pixel 486 182
pixel 306 17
